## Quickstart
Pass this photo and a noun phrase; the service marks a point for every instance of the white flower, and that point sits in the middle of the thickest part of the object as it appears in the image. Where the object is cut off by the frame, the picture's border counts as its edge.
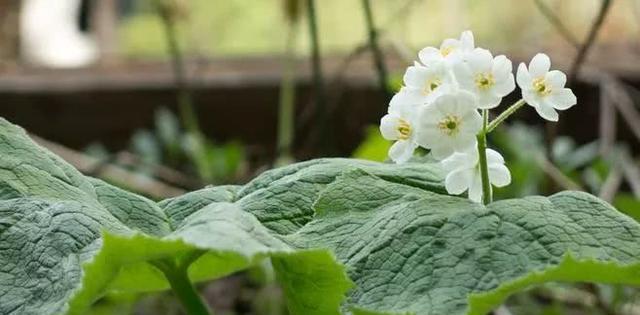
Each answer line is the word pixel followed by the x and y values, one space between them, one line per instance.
pixel 451 50
pixel 423 84
pixel 544 89
pixel 449 124
pixel 464 172
pixel 489 78
pixel 399 125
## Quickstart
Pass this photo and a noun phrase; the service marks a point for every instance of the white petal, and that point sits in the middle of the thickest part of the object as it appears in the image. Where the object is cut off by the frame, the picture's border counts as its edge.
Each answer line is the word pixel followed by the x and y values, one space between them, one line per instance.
pixel 460 161
pixel 556 78
pixel 401 151
pixel 466 40
pixel 531 97
pixel 471 122
pixel 499 175
pixel 501 68
pixel 523 77
pixel 463 75
pixel 480 60
pixel 389 126
pixel 464 102
pixel 475 188
pixel 457 182
pixel 450 43
pixel 428 55
pixel 546 111
pixel 441 151
pixel 430 115
pixel 442 105
pixel 539 65
pixel 494 157
pixel 563 98
pixel 415 77
pixel 464 141
pixel 488 100
pixel 406 102
pixel 505 86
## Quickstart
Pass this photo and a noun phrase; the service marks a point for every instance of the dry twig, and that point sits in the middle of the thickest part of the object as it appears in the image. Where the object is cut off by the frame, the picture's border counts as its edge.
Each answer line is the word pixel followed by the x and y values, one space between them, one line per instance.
pixel 111 173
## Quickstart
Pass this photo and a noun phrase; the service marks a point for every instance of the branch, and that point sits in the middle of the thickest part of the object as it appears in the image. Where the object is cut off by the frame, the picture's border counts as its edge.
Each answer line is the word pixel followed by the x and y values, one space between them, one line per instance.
pixel 378 57
pixel 318 82
pixel 555 21
pixel 593 32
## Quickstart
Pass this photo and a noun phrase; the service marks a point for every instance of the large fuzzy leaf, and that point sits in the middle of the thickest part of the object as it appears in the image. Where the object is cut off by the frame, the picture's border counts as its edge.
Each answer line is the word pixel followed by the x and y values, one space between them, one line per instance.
pixel 343 236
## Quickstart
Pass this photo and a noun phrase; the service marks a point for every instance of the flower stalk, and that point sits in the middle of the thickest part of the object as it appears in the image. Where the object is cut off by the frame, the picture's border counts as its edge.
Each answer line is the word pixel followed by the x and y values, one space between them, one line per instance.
pixel 482 160
pixel 504 115
pixel 176 275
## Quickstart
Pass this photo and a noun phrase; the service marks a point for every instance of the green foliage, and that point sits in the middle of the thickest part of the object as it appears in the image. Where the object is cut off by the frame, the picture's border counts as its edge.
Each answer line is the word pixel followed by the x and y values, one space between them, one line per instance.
pixel 169 145
pixel 342 235
pixel 374 147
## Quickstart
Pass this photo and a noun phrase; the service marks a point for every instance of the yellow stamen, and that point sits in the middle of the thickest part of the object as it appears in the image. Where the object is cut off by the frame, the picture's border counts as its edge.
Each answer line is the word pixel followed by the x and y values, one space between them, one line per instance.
pixel 484 81
pixel 444 51
pixel 540 86
pixel 404 129
pixel 450 125
pixel 430 86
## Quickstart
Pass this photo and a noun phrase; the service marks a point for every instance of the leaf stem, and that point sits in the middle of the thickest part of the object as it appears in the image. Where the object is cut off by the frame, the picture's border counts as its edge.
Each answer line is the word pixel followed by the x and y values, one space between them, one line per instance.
pixel 482 159
pixel 182 287
pixel 504 115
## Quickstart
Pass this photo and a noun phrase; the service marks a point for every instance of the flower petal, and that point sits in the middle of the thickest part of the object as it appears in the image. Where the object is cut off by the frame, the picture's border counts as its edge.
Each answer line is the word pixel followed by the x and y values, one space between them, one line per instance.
pixel 539 65
pixel 406 102
pixel 501 68
pixel 480 60
pixel 464 102
pixel 523 77
pixel 466 40
pixel 440 151
pixel 428 55
pixel 504 87
pixel 458 181
pixel 460 161
pixel 389 126
pixel 472 122
pixel 499 175
pixel 531 97
pixel 463 76
pixel 415 77
pixel 475 188
pixel 563 98
pixel 494 157
pixel 401 151
pixel 464 141
pixel 556 78
pixel 546 111
pixel 488 100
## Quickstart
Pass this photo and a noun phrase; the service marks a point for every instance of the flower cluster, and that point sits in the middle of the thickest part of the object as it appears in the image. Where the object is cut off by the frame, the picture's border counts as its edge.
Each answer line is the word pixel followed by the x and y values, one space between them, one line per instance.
pixel 443 107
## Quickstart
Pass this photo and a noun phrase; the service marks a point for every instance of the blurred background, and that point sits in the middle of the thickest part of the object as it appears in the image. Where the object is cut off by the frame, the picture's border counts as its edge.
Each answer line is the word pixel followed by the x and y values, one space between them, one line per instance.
pixel 167 96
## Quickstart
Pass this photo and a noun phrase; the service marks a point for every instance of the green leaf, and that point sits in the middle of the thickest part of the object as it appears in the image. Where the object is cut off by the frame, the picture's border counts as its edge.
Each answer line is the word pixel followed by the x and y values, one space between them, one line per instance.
pixel 343 236
pixel 413 251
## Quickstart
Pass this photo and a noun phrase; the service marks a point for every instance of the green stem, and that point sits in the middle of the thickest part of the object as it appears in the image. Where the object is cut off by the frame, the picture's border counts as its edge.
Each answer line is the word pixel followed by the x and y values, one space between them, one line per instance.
pixel 318 81
pixel 378 57
pixel 185 102
pixel 182 287
pixel 287 99
pixel 482 160
pixel 504 115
